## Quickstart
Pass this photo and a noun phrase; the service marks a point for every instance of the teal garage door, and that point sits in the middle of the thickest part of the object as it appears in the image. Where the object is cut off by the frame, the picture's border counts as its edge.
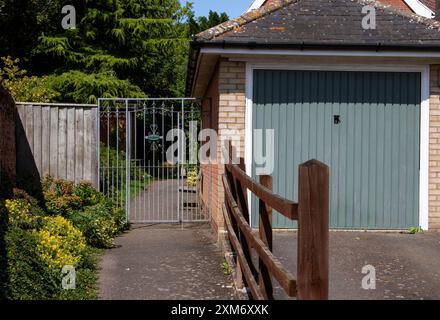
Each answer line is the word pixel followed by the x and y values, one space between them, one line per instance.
pixel 364 125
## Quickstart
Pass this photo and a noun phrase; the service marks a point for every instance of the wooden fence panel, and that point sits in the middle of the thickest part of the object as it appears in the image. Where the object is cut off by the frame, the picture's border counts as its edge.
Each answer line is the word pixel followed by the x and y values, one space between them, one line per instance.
pixel 37 140
pixel 45 140
pixel 53 140
pixel 71 144
pixel 79 144
pixel 62 138
pixel 62 142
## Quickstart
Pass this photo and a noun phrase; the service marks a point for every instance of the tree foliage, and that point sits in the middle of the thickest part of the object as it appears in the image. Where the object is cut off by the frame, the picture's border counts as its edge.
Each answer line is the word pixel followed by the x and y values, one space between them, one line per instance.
pixel 118 48
pixel 197 25
pixel 23 87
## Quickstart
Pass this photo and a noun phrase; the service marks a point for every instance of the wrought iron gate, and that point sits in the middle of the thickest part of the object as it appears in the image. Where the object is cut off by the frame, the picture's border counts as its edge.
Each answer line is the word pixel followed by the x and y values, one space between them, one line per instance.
pixel 135 135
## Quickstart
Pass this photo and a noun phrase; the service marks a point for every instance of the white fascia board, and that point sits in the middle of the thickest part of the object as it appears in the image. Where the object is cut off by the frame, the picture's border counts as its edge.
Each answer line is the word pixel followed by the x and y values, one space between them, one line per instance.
pixel 419 8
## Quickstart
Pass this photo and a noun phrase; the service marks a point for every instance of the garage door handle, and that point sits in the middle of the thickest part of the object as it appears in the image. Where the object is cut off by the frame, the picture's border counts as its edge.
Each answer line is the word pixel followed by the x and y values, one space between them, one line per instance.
pixel 337 119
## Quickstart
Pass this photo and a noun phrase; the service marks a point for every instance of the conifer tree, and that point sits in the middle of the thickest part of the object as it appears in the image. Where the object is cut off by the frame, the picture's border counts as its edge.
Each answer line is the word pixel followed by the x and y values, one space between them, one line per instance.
pixel 143 41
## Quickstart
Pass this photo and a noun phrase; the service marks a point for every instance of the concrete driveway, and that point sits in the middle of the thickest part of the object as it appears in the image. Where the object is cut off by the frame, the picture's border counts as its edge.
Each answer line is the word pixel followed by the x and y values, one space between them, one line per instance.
pixel 407 265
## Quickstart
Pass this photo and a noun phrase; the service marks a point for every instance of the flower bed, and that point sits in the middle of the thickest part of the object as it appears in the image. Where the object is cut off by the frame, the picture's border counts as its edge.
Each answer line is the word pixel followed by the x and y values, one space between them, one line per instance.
pixel 68 228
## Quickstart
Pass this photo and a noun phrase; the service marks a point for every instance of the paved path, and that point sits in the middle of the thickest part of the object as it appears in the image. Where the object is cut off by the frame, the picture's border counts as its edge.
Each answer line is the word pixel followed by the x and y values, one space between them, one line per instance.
pixel 407 266
pixel 162 202
pixel 164 262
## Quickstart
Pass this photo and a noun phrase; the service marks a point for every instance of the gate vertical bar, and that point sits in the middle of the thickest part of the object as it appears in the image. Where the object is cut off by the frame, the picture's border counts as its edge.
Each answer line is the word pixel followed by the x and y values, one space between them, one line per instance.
pixel 98 135
pixel 172 172
pixel 108 150
pixel 136 178
pixel 127 162
pixel 144 165
pixel 179 218
pixel 183 146
pixel 117 156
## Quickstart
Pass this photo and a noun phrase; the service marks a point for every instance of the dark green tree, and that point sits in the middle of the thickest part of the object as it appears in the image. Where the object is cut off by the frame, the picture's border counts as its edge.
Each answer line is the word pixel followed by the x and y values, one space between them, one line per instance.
pixel 23 21
pixel 142 41
pixel 199 24
pixel 118 48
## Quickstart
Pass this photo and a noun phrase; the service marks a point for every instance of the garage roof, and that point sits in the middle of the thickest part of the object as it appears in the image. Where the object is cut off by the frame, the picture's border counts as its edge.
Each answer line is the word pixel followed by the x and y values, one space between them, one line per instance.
pixel 335 22
pixel 315 25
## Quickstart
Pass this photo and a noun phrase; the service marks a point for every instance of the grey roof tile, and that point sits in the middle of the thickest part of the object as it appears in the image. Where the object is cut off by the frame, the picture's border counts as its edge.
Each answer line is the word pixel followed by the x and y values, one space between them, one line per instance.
pixel 325 22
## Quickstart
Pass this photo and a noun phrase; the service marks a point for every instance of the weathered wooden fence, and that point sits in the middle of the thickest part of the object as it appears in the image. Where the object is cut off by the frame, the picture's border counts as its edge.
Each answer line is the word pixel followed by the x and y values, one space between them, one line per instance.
pixel 61 138
pixel 312 213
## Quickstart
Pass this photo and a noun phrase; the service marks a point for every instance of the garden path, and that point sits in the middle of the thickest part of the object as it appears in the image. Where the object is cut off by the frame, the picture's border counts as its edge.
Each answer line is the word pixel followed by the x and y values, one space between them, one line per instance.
pixel 164 262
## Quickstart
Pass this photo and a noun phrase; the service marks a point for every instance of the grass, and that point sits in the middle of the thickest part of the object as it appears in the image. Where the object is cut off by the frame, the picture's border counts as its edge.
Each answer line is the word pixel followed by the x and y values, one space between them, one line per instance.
pixel 138 186
pixel 226 269
pixel 415 230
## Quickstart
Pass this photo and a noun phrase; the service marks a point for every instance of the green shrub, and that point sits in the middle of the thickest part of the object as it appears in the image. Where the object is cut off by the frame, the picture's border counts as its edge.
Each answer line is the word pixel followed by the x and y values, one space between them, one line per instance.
pixel 120 219
pixel 99 223
pixel 38 243
pixel 80 87
pixel 26 275
pixel 89 210
pixel 23 87
pixel 59 197
pixel 87 193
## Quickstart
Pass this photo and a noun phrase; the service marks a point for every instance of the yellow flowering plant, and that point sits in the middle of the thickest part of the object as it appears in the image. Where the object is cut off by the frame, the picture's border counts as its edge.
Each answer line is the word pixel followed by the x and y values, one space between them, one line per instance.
pixel 59 243
pixel 192 177
pixel 19 212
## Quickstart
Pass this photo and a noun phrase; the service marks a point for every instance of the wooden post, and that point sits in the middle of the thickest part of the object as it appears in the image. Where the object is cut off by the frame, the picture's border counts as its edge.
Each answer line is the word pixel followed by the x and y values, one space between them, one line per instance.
pixel 265 231
pixel 313 234
pixel 239 281
pixel 242 196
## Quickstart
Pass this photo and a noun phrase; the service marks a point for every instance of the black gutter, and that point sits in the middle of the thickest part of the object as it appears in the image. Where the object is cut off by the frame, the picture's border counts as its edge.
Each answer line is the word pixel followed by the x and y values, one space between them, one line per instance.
pixel 193 57
pixel 316 46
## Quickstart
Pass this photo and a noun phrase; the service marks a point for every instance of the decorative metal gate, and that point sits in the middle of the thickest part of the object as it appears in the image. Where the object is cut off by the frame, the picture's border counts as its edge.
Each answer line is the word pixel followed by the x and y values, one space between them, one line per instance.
pixel 140 168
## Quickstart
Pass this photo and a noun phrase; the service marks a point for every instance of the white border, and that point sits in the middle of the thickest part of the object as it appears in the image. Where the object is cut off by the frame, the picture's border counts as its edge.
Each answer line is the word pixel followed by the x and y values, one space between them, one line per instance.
pixel 424 116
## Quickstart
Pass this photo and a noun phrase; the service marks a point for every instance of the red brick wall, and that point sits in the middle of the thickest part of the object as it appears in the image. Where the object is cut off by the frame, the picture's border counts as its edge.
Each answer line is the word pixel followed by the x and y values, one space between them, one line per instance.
pixel 210 172
pixel 7 143
pixel 226 112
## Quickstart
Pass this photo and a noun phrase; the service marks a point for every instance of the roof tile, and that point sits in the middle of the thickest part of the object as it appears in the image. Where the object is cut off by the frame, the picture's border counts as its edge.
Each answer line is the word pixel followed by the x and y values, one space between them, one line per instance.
pixel 325 22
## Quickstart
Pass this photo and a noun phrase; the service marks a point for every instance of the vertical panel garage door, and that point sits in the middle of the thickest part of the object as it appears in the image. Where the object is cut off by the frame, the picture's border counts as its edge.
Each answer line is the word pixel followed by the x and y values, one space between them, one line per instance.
pixel 364 125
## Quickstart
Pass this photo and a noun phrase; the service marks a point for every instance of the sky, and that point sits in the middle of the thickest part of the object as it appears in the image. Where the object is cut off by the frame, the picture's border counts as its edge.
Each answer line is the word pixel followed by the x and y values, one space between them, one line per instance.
pixel 233 8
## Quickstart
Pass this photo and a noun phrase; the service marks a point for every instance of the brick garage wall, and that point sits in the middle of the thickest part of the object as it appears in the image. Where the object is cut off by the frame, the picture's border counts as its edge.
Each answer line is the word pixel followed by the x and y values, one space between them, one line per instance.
pixel 434 150
pixel 231 115
pixel 225 114
pixel 231 120
pixel 7 143
pixel 210 171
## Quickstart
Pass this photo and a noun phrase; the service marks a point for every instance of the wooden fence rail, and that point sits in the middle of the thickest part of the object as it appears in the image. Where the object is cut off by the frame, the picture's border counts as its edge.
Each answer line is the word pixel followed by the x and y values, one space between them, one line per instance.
pixel 311 211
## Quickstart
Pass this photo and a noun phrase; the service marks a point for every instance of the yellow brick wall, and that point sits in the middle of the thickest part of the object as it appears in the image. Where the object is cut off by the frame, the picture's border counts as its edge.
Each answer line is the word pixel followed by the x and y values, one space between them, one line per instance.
pixel 434 150
pixel 231 113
